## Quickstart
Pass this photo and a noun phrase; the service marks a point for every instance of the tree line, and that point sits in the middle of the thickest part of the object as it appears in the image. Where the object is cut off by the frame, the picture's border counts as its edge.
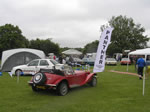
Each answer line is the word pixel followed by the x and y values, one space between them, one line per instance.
pixel 126 36
pixel 11 37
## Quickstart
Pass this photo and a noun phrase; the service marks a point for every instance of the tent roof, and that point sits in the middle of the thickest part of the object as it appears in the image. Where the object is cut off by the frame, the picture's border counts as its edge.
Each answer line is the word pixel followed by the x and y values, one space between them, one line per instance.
pixel 72 52
pixel 145 51
pixel 6 54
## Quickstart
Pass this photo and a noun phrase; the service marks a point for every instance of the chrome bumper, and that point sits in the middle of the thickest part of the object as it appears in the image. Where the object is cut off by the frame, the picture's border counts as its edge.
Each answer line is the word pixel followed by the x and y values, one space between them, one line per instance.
pixel 50 85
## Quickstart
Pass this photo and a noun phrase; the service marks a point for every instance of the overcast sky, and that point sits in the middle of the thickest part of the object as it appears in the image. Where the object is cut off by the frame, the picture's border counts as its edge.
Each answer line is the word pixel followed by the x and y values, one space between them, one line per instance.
pixel 70 23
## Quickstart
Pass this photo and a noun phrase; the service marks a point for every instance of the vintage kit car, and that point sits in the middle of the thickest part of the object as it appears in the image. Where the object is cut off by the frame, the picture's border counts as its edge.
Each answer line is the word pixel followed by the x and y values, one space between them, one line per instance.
pixel 35 66
pixel 61 80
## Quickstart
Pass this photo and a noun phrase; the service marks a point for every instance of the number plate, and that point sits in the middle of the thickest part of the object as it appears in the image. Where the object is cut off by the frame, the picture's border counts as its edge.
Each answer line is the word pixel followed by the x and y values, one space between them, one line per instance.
pixel 41 87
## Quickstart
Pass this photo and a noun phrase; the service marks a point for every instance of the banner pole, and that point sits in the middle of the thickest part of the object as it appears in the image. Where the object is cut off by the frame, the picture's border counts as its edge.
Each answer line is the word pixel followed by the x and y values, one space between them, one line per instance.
pixel 18 78
pixel 144 82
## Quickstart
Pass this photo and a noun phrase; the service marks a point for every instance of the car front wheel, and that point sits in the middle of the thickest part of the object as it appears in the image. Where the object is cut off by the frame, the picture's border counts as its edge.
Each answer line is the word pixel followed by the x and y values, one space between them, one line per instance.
pixel 62 89
pixel 93 82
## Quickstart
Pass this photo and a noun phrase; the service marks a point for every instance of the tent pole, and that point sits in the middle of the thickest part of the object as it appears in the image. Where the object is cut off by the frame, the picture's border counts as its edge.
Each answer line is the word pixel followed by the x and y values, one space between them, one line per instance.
pixel 127 63
pixel 144 82
pixel 144 76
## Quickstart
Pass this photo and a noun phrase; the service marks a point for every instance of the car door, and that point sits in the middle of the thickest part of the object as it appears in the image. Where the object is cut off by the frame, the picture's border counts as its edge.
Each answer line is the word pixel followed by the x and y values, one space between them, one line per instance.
pixel 44 64
pixel 73 80
pixel 76 79
pixel 70 76
pixel 32 67
pixel 80 77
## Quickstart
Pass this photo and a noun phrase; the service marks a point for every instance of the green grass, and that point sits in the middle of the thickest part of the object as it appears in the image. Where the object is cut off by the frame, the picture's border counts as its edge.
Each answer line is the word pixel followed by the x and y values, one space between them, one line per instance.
pixel 114 93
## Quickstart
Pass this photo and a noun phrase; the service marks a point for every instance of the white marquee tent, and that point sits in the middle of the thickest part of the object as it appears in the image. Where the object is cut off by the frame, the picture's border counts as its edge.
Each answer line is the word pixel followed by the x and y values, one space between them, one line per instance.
pixel 144 52
pixel 72 52
pixel 14 57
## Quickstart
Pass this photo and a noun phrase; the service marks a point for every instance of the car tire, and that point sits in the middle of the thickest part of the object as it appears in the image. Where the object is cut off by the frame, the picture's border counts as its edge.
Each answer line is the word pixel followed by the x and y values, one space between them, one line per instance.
pixel 93 82
pixel 39 78
pixel 62 89
pixel 18 72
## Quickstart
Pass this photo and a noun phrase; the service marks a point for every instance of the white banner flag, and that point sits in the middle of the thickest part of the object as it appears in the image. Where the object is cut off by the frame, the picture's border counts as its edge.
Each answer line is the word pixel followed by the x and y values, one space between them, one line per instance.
pixel 104 41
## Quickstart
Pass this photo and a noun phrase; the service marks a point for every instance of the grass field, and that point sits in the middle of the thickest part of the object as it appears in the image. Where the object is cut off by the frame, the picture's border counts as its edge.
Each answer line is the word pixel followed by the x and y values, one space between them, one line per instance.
pixel 113 93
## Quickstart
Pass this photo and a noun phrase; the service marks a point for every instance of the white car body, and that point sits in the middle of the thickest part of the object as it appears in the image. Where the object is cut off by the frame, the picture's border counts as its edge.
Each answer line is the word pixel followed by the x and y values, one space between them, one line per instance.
pixel 111 61
pixel 35 66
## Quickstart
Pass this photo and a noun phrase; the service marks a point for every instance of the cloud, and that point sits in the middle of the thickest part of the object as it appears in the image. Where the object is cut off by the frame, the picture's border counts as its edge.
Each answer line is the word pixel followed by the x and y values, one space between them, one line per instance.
pixel 71 23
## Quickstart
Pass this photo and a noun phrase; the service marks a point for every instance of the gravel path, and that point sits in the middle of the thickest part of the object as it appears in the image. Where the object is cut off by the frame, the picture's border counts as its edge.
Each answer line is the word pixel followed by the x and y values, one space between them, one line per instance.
pixel 128 73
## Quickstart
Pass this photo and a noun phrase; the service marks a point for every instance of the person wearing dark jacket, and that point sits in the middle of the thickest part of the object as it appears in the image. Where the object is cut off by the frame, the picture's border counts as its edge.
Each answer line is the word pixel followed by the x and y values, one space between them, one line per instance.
pixel 141 64
pixel 61 59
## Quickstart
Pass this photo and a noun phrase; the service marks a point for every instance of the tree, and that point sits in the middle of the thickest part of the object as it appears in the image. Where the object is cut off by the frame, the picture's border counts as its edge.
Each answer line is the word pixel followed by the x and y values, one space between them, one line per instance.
pixel 45 45
pixel 91 47
pixel 11 37
pixel 126 35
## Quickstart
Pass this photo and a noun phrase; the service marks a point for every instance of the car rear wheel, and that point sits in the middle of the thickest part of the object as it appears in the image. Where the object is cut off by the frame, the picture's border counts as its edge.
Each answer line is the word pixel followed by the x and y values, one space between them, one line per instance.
pixel 62 89
pixel 93 82
pixel 18 72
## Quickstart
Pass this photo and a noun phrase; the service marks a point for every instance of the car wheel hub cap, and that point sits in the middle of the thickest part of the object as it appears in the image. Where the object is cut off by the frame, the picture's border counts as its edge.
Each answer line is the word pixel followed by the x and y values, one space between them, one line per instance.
pixel 38 77
pixel 64 90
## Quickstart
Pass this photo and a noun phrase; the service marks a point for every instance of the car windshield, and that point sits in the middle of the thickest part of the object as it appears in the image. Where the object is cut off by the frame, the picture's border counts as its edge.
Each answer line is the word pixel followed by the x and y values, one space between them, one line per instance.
pixel 85 59
pixel 76 59
pixel 68 70
pixel 110 59
pixel 54 62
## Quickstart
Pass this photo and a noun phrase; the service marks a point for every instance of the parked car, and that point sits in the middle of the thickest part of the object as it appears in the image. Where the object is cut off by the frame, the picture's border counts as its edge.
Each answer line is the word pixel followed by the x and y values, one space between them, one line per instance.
pixel 61 80
pixel 89 61
pixel 125 61
pixel 35 66
pixel 75 62
pixel 110 61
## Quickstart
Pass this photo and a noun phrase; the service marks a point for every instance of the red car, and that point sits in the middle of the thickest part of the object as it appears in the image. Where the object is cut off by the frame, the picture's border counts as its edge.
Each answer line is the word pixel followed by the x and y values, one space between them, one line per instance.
pixel 61 80
pixel 125 61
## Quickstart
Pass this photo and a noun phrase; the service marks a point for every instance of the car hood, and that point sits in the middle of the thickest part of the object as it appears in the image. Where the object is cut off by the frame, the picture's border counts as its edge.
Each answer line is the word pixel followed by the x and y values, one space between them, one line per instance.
pixel 125 61
pixel 111 61
pixel 81 72
pixel 59 66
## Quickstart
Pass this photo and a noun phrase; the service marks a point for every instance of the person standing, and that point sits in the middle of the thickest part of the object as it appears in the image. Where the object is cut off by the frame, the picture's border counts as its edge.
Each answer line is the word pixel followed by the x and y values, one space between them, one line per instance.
pixel 60 59
pixel 141 64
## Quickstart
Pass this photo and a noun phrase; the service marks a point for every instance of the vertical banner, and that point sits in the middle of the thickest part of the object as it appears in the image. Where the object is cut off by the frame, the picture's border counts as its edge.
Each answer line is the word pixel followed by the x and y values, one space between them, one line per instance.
pixel 104 41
